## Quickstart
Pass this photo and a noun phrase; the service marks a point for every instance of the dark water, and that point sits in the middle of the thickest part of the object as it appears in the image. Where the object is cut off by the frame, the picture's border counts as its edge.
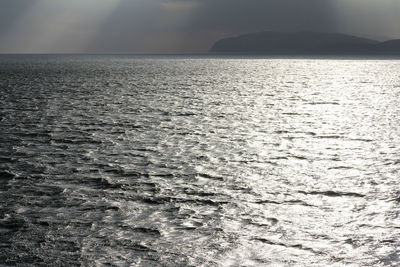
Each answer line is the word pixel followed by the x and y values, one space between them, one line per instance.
pixel 163 161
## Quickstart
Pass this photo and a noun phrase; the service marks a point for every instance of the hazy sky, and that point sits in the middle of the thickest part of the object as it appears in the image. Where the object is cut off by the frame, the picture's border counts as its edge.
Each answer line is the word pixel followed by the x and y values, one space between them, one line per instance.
pixel 168 26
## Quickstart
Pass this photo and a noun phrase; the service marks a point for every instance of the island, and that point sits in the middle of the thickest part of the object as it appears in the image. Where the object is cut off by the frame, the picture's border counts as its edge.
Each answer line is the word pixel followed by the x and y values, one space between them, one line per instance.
pixel 304 43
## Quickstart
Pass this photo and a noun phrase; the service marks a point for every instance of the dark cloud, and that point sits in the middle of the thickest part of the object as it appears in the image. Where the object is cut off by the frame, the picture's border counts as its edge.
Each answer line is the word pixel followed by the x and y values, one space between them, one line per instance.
pixel 11 11
pixel 264 14
pixel 140 26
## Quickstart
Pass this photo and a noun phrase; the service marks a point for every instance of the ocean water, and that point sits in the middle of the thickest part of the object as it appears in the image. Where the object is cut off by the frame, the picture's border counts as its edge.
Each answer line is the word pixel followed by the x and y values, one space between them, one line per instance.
pixel 199 161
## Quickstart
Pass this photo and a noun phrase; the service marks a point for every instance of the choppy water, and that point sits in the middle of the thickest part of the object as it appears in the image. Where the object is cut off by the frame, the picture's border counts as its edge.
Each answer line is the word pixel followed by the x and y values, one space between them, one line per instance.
pixel 163 161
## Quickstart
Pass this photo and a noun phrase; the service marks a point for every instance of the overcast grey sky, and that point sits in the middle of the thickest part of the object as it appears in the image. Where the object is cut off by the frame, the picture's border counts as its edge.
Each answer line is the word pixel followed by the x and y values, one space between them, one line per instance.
pixel 174 26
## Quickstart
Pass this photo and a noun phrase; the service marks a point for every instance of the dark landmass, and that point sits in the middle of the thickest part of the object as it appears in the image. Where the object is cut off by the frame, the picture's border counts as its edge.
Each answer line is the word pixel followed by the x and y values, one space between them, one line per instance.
pixel 304 43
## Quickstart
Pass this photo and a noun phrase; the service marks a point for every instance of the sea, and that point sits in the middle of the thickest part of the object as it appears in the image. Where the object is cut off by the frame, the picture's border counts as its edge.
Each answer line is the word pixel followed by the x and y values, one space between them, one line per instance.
pixel 203 160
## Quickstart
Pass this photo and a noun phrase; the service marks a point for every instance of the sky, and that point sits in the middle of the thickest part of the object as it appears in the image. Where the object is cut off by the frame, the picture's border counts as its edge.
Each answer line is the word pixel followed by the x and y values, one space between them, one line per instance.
pixel 179 26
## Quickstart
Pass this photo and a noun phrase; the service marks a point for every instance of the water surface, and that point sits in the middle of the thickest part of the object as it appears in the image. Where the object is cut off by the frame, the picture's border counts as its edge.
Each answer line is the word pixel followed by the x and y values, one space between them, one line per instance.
pixel 182 161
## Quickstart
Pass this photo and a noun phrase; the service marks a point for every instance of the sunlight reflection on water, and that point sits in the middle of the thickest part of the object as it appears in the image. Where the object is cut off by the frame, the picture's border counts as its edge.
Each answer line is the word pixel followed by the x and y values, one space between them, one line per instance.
pixel 189 161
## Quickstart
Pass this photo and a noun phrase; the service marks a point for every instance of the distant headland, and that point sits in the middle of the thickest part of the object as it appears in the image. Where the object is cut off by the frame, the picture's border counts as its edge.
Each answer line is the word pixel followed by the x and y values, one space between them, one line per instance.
pixel 304 43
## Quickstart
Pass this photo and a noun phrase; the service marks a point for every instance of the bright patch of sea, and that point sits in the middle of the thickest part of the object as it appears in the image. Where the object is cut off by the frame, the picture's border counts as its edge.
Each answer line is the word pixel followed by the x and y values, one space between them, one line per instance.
pixel 189 161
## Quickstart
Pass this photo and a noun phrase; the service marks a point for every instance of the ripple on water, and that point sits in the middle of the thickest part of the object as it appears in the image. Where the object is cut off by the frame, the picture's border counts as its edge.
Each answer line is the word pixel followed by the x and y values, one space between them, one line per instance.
pixel 177 161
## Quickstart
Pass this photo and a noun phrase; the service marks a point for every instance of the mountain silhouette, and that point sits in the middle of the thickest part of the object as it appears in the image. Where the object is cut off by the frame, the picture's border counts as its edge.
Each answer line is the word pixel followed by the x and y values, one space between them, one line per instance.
pixel 391 46
pixel 304 43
